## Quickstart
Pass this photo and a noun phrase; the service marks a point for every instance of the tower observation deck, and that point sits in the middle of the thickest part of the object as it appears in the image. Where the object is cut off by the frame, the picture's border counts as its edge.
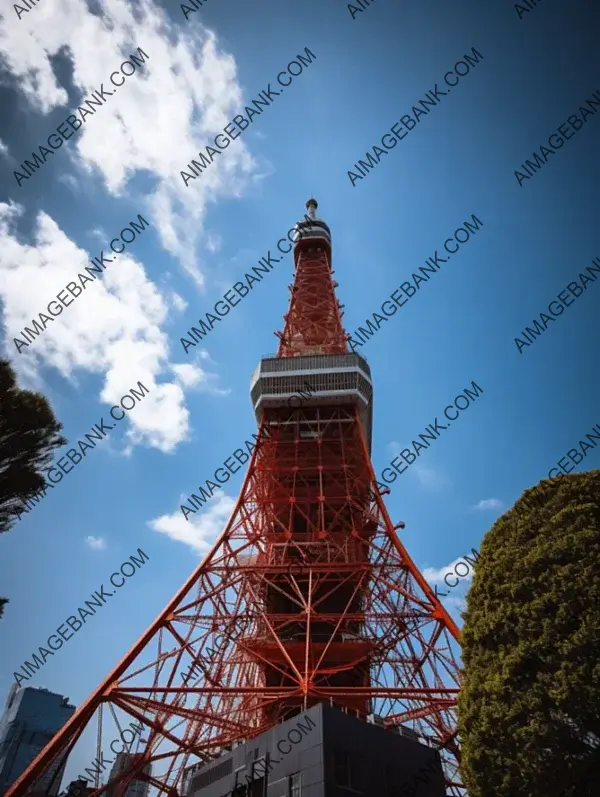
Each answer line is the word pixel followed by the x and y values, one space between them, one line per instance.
pixel 307 597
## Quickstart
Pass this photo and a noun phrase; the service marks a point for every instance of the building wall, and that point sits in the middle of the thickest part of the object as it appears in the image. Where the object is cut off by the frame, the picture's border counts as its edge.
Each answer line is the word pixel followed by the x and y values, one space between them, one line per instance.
pixel 78 788
pixel 365 759
pixel 294 747
pixel 32 716
pixel 138 788
pixel 324 753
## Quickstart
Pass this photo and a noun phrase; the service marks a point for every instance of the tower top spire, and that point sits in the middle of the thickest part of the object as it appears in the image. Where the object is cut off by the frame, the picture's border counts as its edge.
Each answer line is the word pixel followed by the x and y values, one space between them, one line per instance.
pixel 311 207
pixel 311 231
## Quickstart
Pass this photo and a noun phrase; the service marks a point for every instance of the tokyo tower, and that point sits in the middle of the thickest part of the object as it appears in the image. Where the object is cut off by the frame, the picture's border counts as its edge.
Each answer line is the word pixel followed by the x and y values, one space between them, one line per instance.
pixel 307 599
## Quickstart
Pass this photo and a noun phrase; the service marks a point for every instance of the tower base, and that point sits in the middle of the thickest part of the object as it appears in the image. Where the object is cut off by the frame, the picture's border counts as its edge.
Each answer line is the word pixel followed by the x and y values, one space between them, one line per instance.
pixel 323 752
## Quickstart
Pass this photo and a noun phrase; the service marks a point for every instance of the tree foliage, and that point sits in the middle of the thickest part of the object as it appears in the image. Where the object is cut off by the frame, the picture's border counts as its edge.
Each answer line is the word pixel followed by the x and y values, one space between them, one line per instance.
pixel 529 708
pixel 29 433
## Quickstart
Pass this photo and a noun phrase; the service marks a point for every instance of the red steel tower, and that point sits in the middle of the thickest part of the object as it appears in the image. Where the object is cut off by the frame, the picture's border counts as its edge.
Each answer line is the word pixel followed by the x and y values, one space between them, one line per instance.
pixel 307 596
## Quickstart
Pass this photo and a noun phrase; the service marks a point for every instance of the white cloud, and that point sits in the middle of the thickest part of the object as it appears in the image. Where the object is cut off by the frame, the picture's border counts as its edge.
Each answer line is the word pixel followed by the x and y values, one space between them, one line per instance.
pixel 201 530
pixel 73 185
pixel 184 94
pixel 166 112
pixel 113 329
pixel 96 543
pixel 190 375
pixel 436 576
pixel 456 603
pixel 394 448
pixel 488 503
pixel 213 242
pixel 178 302
pixel 428 477
pixel 3 148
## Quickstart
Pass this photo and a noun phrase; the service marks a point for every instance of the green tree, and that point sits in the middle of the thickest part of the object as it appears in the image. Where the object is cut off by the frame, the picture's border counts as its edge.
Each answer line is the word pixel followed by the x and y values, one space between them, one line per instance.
pixel 29 433
pixel 529 708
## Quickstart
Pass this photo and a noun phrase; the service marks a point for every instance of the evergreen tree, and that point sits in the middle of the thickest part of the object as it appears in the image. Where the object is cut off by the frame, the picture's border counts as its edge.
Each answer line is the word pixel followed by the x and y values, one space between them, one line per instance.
pixel 29 433
pixel 529 707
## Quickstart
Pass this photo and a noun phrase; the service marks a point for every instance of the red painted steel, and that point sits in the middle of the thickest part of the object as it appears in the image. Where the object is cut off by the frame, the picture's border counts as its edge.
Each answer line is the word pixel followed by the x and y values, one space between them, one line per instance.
pixel 313 594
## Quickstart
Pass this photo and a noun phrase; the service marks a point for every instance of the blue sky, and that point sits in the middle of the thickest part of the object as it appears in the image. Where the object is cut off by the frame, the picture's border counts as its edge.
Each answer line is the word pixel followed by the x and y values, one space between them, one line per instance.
pixel 459 160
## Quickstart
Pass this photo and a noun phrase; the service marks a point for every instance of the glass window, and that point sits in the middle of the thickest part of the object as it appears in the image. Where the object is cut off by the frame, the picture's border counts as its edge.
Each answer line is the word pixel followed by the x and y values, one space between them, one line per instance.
pixel 341 768
pixel 295 785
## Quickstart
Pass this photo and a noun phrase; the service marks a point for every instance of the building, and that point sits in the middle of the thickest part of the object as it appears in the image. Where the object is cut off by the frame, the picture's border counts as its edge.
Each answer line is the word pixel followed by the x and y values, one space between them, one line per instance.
pixel 325 752
pixel 78 788
pixel 32 716
pixel 138 788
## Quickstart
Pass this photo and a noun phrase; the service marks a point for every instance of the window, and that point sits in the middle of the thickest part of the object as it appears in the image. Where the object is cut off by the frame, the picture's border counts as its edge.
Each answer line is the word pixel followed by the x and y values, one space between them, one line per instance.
pixel 295 789
pixel 259 766
pixel 341 768
pixel 350 770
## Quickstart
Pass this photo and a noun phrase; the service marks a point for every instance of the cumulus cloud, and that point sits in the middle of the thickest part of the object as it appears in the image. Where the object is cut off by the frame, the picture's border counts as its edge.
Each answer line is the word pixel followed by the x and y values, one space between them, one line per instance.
pixel 184 94
pixel 190 375
pixel 186 91
pixel 436 576
pixel 178 302
pixel 113 329
pixel 96 543
pixel 488 503
pixel 201 530
pixel 214 243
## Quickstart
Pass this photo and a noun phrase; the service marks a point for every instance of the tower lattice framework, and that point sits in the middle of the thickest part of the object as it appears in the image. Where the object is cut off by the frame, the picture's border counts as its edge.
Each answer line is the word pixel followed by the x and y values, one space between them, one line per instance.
pixel 307 596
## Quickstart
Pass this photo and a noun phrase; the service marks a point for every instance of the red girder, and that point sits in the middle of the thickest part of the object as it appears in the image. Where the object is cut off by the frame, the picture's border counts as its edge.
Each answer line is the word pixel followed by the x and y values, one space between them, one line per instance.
pixel 313 321
pixel 330 606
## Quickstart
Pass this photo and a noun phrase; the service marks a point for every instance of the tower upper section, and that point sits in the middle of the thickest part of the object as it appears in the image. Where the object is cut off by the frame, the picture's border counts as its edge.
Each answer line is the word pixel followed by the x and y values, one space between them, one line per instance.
pixel 313 346
pixel 313 323
pixel 312 233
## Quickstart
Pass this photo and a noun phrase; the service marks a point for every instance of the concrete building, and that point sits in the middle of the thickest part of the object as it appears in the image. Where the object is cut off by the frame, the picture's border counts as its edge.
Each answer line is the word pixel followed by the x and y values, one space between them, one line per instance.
pixel 78 788
pixel 138 788
pixel 323 752
pixel 32 716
